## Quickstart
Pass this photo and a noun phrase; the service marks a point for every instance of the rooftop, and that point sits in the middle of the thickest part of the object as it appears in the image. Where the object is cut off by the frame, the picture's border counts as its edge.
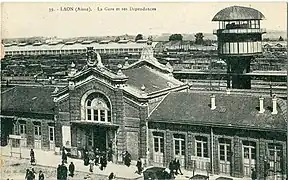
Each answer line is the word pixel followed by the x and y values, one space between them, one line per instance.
pixel 231 111
pixel 28 99
pixel 238 13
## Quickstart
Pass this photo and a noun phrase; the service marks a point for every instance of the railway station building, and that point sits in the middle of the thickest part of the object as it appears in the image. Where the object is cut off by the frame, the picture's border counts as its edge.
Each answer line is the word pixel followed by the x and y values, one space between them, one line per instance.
pixel 144 110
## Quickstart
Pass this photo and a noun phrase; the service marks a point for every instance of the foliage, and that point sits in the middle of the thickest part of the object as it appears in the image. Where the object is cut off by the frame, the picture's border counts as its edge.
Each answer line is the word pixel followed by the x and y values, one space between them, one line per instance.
pixel 199 38
pixel 139 37
pixel 176 37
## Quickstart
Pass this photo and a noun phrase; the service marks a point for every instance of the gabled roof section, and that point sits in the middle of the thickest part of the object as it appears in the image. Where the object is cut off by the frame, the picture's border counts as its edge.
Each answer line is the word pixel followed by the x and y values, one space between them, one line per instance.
pixel 231 111
pixel 152 79
pixel 28 99
pixel 148 59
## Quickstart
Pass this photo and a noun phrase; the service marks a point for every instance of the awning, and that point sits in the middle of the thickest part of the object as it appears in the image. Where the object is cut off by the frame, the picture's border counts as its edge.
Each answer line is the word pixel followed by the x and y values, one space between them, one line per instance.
pixel 108 125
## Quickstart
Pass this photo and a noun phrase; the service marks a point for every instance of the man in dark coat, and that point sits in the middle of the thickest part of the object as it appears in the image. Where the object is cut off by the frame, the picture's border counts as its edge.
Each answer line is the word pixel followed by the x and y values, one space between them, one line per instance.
pixel 253 174
pixel 32 157
pixel 86 157
pixel 103 162
pixel 27 174
pixel 171 168
pixel 139 166
pixel 41 176
pixel 71 169
pixel 111 176
pixel 59 172
pixel 64 171
pixel 127 159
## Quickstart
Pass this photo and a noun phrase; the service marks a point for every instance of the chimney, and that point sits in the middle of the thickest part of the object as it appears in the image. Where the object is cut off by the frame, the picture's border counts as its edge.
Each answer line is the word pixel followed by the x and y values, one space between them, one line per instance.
pixel 274 103
pixel 261 100
pixel 213 104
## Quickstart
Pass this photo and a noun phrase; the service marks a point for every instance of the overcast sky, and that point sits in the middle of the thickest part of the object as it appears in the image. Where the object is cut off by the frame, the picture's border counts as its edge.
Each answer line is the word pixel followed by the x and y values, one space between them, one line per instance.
pixel 34 19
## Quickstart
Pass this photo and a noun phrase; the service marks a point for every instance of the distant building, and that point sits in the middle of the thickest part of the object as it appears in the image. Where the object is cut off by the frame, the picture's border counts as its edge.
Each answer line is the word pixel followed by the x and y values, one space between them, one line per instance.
pixel 57 48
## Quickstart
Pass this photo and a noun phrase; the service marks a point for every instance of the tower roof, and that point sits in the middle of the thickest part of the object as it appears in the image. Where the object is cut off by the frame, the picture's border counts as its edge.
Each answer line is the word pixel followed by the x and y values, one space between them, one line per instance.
pixel 238 13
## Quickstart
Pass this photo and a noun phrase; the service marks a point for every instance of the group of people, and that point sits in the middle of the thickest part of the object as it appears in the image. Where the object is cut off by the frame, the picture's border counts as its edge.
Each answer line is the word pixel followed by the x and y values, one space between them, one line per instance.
pixel 175 167
pixel 95 158
pixel 30 174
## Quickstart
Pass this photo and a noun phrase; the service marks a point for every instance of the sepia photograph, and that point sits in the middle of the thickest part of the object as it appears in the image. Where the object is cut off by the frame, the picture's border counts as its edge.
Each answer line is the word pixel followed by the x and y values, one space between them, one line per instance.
pixel 144 91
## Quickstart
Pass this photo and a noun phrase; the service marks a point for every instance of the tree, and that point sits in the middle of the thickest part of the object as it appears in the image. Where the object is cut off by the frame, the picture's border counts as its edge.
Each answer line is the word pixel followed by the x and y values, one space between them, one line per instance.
pixel 176 37
pixel 139 37
pixel 117 39
pixel 199 38
pixel 281 38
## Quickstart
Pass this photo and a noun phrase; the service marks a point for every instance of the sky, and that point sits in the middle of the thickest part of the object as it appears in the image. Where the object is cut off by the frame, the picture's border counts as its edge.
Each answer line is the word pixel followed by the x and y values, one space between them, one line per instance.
pixel 34 19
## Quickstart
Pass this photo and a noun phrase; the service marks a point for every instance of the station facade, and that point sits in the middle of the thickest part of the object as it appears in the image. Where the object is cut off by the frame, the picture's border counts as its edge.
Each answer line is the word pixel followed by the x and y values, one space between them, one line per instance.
pixel 144 110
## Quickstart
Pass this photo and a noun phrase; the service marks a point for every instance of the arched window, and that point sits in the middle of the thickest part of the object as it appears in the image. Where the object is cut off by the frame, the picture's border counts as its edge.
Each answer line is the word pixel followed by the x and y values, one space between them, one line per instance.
pixel 98 108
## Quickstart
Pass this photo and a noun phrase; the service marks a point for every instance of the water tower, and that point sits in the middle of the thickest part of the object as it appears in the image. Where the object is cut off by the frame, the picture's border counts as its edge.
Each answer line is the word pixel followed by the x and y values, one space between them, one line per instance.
pixel 239 41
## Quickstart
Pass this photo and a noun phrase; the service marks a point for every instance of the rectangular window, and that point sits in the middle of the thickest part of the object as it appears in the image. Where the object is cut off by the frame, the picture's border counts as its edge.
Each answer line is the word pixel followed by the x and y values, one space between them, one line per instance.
pixel 102 115
pixel 109 116
pixel 96 116
pixel 202 146
pixel 37 130
pixel 51 133
pixel 88 114
pixel 22 129
pixel 225 149
pixel 179 145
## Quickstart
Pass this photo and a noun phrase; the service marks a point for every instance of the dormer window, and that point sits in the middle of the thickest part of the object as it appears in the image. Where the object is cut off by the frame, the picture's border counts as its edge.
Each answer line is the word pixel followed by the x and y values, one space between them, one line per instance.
pixel 97 109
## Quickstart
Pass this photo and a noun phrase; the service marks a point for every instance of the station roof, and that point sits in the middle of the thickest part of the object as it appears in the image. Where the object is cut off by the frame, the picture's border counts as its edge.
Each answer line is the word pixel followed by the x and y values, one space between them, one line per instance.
pixel 60 46
pixel 233 13
pixel 28 99
pixel 239 111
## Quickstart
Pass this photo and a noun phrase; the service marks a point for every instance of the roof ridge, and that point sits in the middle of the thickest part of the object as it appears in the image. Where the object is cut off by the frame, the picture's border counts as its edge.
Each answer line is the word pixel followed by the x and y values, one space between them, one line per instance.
pixel 158 104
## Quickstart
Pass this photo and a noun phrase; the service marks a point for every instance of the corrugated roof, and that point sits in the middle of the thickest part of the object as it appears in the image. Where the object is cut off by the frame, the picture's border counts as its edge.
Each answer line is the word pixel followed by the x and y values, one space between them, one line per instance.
pixel 28 99
pixel 238 13
pixel 231 110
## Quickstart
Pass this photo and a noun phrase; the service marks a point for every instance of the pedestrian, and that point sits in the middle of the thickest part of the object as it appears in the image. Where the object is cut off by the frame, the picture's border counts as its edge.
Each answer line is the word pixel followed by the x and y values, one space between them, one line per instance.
pixel 32 174
pixel 171 168
pixel 63 171
pixel 86 157
pixel 127 159
pixel 103 162
pixel 253 174
pixel 111 176
pixel 97 157
pixel 32 157
pixel 71 169
pixel 91 160
pixel 41 175
pixel 110 154
pixel 27 174
pixel 59 172
pixel 178 167
pixel 64 155
pixel 139 166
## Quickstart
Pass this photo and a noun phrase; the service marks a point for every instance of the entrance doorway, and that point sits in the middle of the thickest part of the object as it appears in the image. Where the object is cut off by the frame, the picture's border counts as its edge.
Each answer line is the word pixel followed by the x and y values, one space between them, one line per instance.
pixel 97 138
pixel 100 138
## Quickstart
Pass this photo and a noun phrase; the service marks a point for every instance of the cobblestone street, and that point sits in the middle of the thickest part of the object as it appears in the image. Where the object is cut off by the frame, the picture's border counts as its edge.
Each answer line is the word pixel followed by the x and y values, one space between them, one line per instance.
pixel 47 161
